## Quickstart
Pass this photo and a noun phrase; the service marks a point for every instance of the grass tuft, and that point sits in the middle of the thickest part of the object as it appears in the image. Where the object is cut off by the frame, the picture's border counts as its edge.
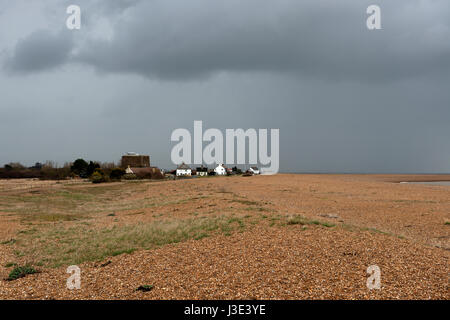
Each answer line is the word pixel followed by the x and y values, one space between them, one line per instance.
pixel 10 241
pixel 10 264
pixel 20 272
pixel 145 288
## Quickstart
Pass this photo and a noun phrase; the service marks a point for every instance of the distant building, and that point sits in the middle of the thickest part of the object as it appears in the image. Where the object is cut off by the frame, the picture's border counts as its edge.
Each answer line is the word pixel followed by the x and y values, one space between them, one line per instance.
pixel 202 171
pixel 37 165
pixel 139 165
pixel 184 170
pixel 128 170
pixel 134 160
pixel 220 170
pixel 254 170
pixel 144 172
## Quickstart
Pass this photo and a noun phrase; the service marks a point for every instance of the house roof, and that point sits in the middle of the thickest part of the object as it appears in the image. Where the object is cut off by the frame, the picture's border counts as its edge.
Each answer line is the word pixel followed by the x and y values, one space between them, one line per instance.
pixel 137 170
pixel 183 166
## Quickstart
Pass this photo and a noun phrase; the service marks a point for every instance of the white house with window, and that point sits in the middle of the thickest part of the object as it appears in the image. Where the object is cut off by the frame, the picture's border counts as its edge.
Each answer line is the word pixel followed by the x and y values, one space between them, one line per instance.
pixel 220 170
pixel 183 170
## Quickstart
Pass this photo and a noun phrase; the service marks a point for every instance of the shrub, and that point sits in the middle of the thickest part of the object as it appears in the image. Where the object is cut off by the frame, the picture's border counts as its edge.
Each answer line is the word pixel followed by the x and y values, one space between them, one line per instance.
pixel 18 174
pixel 47 173
pixel 237 170
pixel 117 173
pixel 98 176
pixel 20 272
pixel 14 166
pixel 129 176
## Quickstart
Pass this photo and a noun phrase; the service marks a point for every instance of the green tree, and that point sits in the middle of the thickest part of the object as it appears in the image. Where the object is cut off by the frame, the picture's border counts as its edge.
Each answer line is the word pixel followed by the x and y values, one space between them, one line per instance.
pixel 92 166
pixel 79 167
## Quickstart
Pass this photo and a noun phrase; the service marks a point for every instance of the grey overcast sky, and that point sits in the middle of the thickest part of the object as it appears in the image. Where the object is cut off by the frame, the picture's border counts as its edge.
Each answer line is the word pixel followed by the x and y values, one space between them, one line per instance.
pixel 345 98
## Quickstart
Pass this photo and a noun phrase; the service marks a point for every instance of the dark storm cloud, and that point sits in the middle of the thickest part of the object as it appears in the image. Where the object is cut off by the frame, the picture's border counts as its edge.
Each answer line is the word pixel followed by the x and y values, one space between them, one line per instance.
pixel 179 40
pixel 186 40
pixel 41 50
pixel 49 46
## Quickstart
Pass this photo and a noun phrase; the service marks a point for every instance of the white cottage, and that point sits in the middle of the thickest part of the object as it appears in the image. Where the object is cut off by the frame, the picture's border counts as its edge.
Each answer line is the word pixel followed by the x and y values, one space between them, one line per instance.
pixel 128 170
pixel 183 170
pixel 254 170
pixel 220 170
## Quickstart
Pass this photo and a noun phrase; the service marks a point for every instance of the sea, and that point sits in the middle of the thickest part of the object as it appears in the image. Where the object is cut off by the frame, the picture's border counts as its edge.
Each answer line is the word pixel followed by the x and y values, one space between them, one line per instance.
pixel 433 183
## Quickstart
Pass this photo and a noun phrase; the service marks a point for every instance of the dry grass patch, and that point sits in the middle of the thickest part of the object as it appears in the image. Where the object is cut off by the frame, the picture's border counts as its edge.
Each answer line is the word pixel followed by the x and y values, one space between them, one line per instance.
pixel 298 219
pixel 246 202
pixel 61 245
pixel 73 203
pixel 53 217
